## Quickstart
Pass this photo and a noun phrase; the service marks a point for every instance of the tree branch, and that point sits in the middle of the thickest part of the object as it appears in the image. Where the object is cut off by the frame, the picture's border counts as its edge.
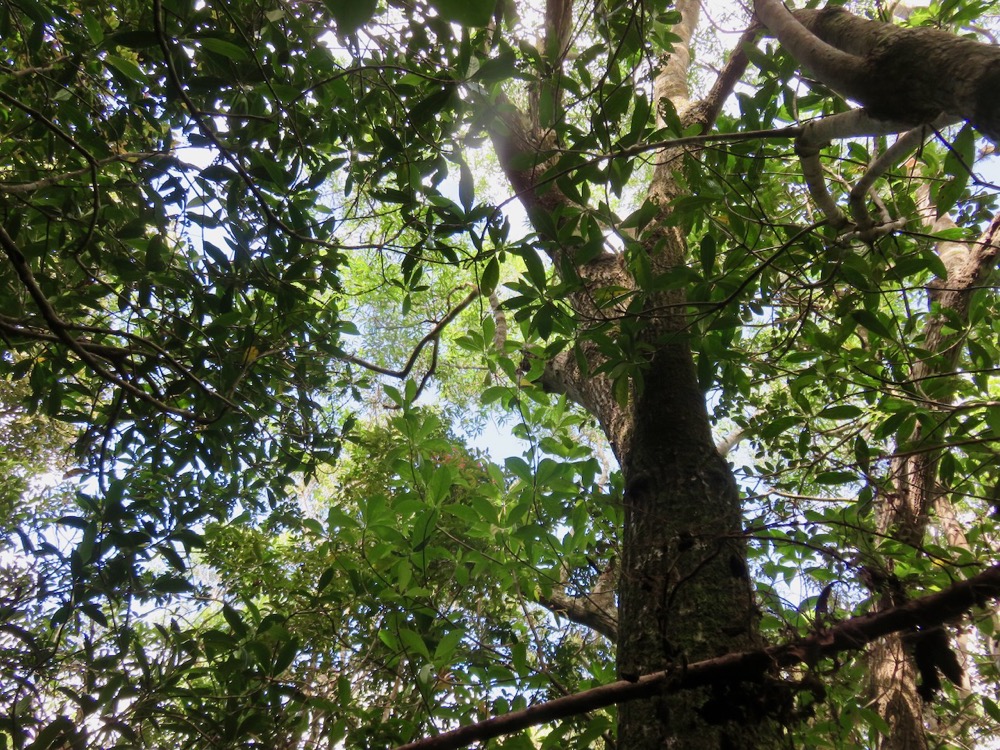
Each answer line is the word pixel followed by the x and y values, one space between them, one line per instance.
pixel 13 188
pixel 431 336
pixel 61 329
pixel 582 611
pixel 904 144
pixel 837 69
pixel 707 109
pixel 746 666
pixel 817 134
pixel 596 610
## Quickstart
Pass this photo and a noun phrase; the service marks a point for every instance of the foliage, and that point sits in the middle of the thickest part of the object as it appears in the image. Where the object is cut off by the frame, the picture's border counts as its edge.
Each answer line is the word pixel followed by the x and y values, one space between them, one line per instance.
pixel 243 240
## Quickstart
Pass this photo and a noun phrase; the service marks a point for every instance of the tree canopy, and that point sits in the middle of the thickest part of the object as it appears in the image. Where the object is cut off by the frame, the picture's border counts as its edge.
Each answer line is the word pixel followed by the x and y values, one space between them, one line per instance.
pixel 425 372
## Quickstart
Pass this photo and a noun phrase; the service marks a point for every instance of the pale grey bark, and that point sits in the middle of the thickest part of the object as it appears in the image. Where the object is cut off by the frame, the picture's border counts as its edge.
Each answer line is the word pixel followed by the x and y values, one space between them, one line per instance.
pixel 596 610
pixel 818 134
pixel 909 75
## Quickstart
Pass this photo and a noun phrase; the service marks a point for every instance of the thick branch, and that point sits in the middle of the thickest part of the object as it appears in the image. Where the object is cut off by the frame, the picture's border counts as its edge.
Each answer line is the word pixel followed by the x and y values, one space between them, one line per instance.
pixel 912 75
pixel 836 68
pixel 819 133
pixel 746 666
pixel 707 110
pixel 904 145
pixel 964 279
pixel 583 611
pixel 672 80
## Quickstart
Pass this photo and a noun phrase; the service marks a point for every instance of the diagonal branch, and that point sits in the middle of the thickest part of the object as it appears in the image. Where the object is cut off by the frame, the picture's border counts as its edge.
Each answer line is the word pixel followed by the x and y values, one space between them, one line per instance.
pixel 904 144
pixel 837 69
pixel 745 666
pixel 817 134
pixel 582 611
pixel 61 329
pixel 708 109
pixel 596 610
pixel 431 337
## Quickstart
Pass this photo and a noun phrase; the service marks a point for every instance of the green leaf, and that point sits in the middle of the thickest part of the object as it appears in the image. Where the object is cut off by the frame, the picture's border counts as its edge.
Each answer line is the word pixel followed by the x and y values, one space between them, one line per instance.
pixel 413 643
pixel 840 412
pixel 285 656
pixel 873 323
pixel 224 48
pixel 351 15
pixel 447 646
pixel 991 708
pixel 519 468
pixel 466 187
pixel 490 278
pixel 536 270
pixel 127 68
pixel 707 253
pixel 473 13
pixel 235 620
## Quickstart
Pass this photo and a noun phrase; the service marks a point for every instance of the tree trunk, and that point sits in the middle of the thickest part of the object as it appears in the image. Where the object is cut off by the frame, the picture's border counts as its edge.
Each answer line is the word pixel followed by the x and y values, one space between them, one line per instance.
pixel 905 513
pixel 908 76
pixel 684 587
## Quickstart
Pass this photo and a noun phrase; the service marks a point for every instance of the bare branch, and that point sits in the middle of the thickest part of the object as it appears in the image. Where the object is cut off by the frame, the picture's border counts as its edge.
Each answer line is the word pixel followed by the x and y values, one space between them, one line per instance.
pixel 904 144
pixel 819 133
pixel 431 336
pixel 849 635
pixel 596 610
pixel 582 611
pixel 707 109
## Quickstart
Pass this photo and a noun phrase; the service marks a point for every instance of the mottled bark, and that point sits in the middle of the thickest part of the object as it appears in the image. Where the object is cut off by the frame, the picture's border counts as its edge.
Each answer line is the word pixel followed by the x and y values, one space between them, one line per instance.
pixel 901 77
pixel 684 570
pixel 905 75
pixel 731 668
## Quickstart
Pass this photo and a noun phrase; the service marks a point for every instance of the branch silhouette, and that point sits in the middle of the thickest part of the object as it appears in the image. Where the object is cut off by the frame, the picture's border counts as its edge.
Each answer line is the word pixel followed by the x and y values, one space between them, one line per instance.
pixel 849 635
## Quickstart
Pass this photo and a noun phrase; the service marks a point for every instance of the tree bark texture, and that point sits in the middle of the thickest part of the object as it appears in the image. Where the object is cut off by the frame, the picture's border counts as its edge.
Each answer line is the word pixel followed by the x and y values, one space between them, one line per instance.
pixel 684 589
pixel 910 76
pixel 848 635
pixel 913 492
pixel 905 75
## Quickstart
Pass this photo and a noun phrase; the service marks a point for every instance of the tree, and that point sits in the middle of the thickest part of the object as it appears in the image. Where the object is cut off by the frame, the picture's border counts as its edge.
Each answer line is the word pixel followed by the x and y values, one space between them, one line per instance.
pixel 222 333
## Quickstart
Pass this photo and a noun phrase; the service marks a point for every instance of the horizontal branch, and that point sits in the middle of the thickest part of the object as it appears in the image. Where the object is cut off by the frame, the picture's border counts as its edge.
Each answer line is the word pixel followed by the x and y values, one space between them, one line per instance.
pixel 583 610
pixel 849 635
pixel 130 157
